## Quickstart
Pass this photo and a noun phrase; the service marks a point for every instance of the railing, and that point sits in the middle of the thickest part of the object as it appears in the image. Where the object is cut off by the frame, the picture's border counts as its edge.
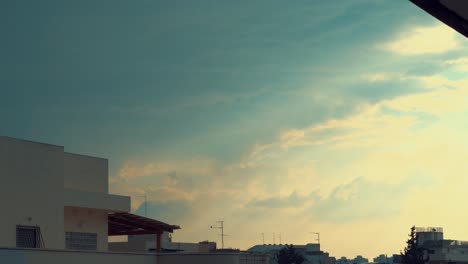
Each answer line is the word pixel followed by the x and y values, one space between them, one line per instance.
pixel 459 243
pixel 429 229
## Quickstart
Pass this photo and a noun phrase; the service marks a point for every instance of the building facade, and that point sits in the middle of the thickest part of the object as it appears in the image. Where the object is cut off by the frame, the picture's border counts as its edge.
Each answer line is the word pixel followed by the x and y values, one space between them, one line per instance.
pixel 439 250
pixel 54 199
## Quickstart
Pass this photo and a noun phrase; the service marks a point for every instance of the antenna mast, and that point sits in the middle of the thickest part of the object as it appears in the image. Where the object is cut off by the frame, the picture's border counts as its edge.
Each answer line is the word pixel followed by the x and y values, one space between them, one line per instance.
pixel 318 236
pixel 221 226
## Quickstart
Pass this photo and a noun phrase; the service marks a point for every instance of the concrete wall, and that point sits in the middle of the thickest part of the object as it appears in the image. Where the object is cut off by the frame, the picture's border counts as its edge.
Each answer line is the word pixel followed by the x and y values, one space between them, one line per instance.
pixel 88 221
pixel 41 256
pixel 143 243
pixel 134 244
pixel 104 201
pixel 31 188
pixel 452 254
pixel 212 258
pixel 86 173
pixel 38 256
pixel 429 236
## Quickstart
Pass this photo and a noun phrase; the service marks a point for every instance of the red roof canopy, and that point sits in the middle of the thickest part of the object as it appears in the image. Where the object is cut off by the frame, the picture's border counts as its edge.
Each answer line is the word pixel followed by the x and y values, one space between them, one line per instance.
pixel 131 224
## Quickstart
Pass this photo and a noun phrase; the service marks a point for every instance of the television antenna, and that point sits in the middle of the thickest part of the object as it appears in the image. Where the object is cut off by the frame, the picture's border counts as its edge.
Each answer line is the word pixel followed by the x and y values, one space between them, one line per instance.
pixel 318 236
pixel 221 226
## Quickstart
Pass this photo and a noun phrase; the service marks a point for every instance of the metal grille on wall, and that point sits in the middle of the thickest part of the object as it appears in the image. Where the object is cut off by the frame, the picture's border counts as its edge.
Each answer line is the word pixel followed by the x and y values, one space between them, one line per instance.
pixel 27 236
pixel 79 240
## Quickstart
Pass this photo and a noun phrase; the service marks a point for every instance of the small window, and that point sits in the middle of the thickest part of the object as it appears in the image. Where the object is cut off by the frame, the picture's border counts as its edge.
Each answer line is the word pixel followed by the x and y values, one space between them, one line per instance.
pixel 27 236
pixel 82 241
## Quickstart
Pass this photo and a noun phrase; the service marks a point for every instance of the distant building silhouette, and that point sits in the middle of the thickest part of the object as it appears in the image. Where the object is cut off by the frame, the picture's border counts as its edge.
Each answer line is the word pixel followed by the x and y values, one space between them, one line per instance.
pixel 311 252
pixel 359 260
pixel 384 259
pixel 343 260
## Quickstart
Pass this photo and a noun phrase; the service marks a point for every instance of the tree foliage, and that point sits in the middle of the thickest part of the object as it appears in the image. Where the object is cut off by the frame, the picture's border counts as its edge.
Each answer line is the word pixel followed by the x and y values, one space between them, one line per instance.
pixel 288 255
pixel 413 254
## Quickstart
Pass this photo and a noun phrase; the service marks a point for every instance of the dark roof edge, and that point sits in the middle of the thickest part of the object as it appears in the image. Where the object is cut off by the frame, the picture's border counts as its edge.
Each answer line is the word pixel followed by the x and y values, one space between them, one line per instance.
pixel 85 156
pixel 31 141
pixel 441 12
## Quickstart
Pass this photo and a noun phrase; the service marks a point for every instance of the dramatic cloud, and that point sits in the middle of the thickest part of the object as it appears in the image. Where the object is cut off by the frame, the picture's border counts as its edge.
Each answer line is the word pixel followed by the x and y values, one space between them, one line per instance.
pixel 346 118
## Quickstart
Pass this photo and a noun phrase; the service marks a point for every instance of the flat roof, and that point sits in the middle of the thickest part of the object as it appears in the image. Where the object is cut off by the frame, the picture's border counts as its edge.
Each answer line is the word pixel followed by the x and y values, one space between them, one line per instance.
pixel 30 141
pixel 51 145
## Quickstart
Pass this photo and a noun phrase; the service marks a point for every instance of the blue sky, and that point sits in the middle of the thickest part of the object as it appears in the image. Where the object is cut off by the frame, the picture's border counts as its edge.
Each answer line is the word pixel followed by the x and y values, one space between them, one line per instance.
pixel 293 117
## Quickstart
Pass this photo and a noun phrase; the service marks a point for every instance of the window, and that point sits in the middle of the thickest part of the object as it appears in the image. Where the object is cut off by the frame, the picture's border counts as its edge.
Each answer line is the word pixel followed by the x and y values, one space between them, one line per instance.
pixel 28 236
pixel 83 241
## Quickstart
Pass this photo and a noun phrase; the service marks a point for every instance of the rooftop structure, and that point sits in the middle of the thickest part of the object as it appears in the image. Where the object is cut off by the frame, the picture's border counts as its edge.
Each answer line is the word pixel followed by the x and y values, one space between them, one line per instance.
pixel 454 13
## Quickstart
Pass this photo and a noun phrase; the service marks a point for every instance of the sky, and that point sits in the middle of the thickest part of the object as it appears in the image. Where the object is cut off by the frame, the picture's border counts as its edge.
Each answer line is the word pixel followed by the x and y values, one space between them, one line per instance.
pixel 346 118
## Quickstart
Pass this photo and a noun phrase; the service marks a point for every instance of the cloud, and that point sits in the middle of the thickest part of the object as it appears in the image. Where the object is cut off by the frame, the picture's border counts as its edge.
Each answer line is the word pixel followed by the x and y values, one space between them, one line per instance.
pixel 424 40
pixel 459 64
pixel 363 128
pixel 443 96
pixel 362 199
pixel 383 164
pixel 382 76
pixel 293 200
pixel 197 166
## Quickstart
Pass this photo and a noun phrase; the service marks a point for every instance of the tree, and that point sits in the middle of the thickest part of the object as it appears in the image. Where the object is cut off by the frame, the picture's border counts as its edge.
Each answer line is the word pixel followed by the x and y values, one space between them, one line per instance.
pixel 413 253
pixel 288 255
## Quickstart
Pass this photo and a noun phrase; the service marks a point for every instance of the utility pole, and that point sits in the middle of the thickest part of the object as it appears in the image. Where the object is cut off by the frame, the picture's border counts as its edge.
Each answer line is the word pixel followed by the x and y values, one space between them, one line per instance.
pixel 274 238
pixel 221 226
pixel 263 238
pixel 280 238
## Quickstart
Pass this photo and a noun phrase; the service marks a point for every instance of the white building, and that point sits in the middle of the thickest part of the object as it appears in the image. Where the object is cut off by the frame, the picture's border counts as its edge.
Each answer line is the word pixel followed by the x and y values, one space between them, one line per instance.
pixel 56 208
pixel 439 250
